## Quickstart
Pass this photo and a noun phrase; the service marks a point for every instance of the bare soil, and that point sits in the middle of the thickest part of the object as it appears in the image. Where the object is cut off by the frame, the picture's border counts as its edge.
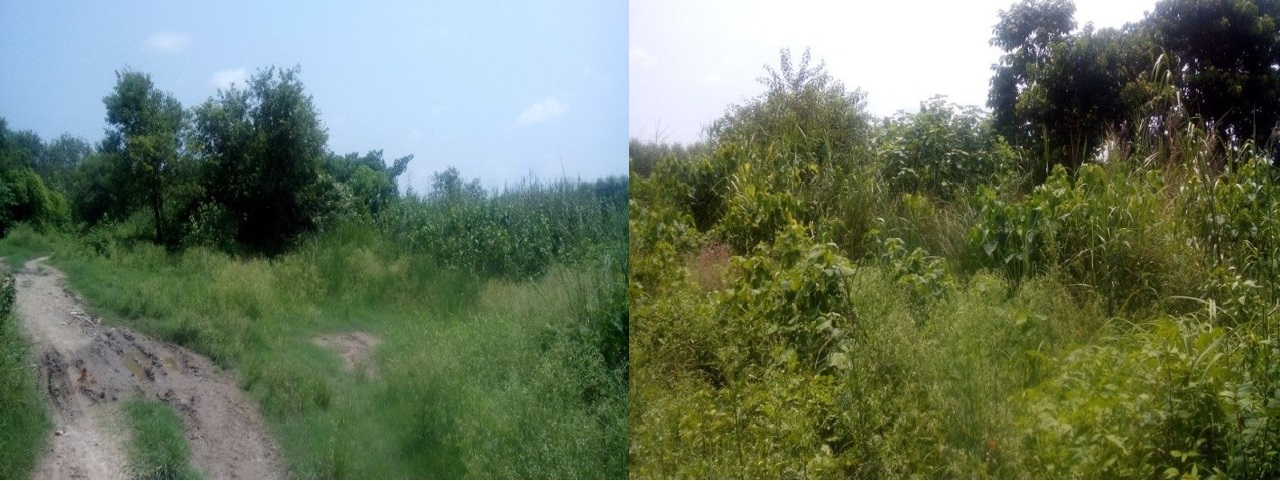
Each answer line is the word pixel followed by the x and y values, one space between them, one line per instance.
pixel 88 368
pixel 355 348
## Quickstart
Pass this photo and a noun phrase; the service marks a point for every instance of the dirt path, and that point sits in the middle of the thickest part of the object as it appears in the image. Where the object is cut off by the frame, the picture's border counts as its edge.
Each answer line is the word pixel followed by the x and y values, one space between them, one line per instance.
pixel 88 368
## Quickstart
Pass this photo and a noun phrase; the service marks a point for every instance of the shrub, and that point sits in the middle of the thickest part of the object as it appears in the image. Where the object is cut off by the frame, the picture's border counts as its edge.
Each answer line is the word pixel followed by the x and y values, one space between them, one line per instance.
pixel 791 301
pixel 944 151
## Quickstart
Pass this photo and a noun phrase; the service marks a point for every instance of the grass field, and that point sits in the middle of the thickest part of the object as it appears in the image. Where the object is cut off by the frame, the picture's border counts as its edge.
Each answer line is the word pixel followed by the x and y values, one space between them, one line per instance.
pixel 478 376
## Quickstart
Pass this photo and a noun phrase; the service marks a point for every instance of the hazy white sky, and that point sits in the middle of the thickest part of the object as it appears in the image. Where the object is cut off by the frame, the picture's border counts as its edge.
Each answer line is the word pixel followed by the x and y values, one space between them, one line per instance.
pixel 690 60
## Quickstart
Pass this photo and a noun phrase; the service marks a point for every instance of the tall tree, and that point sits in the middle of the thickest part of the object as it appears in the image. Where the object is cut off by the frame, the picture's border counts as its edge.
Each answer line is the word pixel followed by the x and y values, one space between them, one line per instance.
pixel 1228 62
pixel 1056 92
pixel 146 126
pixel 1026 33
pixel 60 158
pixel 263 147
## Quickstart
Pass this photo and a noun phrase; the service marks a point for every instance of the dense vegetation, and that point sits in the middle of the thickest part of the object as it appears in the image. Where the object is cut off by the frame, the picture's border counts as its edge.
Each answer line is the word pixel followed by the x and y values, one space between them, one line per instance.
pixel 230 228
pixel 1051 290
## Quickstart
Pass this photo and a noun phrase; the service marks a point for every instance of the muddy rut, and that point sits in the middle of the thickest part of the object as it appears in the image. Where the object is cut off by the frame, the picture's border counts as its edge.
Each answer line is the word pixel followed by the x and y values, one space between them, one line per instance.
pixel 88 369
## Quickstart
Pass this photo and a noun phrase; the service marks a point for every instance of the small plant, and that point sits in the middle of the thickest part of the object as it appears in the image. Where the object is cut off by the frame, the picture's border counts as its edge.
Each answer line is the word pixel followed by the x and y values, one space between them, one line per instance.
pixel 925 276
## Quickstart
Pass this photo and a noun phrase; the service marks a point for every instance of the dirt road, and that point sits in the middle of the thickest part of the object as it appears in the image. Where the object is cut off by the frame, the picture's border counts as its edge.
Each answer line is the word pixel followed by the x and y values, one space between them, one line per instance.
pixel 88 369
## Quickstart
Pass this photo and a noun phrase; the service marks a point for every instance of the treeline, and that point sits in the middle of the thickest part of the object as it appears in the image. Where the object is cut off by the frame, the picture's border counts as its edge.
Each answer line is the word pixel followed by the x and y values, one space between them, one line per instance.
pixel 1058 89
pixel 249 171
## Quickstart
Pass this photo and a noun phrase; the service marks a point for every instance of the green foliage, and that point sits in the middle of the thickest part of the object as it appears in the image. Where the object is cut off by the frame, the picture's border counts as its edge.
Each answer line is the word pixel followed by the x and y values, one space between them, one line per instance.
pixel 790 304
pixel 944 151
pixel 1116 320
pixel 819 119
pixel 146 127
pixel 24 198
pixel 516 234
pixel 490 378
pixel 924 276
pixel 1106 228
pixel 158 448
pixel 643 157
pixel 756 210
pixel 59 159
pixel 1225 52
pixel 1057 92
pixel 1181 399
pixel 23 422
pixel 264 148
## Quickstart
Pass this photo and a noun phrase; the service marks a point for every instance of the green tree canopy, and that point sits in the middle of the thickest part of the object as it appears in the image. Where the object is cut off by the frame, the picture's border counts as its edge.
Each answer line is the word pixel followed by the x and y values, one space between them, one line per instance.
pixel 264 147
pixel 1228 62
pixel 146 133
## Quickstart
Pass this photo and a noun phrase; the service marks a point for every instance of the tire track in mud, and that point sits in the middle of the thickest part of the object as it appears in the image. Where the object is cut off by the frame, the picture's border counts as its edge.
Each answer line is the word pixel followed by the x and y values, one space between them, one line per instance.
pixel 87 369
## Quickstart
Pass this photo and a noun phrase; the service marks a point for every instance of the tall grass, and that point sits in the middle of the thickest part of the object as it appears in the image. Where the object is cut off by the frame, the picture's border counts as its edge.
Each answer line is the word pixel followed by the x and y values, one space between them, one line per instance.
pixel 481 374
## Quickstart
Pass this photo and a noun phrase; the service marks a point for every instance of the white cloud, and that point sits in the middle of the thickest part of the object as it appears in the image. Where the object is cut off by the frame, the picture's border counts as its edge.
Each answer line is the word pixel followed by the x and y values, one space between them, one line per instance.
pixel 641 57
pixel 168 42
pixel 542 111
pixel 225 78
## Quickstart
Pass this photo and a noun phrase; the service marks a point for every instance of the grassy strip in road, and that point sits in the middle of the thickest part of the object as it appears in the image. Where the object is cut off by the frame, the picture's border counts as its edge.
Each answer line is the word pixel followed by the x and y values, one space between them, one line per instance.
pixel 158 449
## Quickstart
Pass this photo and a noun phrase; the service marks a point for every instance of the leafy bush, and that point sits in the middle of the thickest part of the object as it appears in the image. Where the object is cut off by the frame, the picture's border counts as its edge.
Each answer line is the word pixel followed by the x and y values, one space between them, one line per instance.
pixel 24 198
pixel 1172 401
pixel 790 303
pixel 1106 228
pixel 925 276
pixel 944 150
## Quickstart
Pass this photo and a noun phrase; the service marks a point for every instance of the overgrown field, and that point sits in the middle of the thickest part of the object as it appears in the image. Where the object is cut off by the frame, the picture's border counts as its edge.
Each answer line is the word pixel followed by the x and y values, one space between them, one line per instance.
pixel 820 294
pixel 499 357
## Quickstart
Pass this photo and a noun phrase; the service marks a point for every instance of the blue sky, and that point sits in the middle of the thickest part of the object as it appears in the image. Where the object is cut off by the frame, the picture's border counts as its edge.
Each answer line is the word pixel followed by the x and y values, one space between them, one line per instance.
pixel 690 60
pixel 500 90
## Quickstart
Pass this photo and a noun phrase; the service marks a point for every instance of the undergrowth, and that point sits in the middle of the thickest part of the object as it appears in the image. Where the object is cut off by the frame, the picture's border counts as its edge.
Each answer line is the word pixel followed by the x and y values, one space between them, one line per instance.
pixel 1118 320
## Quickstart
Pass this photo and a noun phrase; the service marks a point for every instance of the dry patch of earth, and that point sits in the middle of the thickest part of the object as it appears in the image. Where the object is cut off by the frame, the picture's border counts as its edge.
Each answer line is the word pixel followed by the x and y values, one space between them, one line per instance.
pixel 355 348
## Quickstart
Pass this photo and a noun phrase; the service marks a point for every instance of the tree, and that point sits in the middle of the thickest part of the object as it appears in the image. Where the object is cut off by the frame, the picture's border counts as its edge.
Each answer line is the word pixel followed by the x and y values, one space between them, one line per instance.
pixel 59 159
pixel 1228 62
pixel 23 195
pixel 146 126
pixel 449 186
pixel 1058 92
pixel 804 108
pixel 369 178
pixel 263 147
pixel 1026 33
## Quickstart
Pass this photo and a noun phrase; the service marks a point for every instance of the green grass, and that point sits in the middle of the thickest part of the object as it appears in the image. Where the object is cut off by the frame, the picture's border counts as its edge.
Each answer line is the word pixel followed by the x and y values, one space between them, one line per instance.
pixel 24 424
pixel 157 446
pixel 479 378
